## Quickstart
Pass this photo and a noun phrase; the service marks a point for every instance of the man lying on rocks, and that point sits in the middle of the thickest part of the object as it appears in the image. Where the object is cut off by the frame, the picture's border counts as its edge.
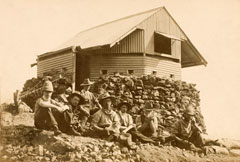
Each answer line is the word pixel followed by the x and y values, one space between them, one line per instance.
pixel 186 133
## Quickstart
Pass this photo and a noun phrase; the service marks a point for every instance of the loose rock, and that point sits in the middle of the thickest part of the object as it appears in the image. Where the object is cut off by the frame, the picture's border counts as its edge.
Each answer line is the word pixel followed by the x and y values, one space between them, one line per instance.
pixel 124 150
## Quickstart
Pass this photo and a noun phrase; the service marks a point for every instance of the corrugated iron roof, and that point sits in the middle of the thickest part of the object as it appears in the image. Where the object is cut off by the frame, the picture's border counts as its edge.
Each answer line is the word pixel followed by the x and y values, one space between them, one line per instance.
pixel 112 32
pixel 107 33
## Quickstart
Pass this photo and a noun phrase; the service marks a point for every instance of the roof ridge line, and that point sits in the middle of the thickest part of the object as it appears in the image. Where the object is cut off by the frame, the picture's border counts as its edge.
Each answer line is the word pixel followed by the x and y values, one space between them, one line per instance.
pixel 139 13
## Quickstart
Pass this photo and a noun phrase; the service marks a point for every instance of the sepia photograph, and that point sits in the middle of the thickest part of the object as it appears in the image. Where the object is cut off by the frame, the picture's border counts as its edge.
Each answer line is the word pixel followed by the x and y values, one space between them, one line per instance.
pixel 119 81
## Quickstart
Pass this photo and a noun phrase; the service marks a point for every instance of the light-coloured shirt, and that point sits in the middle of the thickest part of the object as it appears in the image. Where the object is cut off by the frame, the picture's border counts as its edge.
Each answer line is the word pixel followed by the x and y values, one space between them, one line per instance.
pixel 102 118
pixel 89 97
pixel 41 100
pixel 148 115
pixel 183 128
pixel 125 119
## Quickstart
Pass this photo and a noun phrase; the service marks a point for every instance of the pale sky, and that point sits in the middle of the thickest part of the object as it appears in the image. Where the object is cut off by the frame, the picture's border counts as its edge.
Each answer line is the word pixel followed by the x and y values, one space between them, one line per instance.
pixel 32 27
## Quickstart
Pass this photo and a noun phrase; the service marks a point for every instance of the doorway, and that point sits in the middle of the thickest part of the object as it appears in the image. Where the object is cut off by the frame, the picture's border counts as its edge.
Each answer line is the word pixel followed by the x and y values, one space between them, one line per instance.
pixel 82 68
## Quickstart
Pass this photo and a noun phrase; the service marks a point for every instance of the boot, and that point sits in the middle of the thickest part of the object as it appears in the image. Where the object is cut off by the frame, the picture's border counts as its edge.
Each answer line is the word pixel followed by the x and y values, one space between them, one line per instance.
pixel 72 131
pixel 81 129
pixel 56 130
pixel 195 149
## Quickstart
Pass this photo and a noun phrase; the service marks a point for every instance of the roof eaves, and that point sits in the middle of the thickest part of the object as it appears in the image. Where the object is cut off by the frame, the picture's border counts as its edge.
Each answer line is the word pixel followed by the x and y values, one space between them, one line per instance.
pixel 55 52
pixel 190 64
pixel 204 62
pixel 93 48
pixel 123 36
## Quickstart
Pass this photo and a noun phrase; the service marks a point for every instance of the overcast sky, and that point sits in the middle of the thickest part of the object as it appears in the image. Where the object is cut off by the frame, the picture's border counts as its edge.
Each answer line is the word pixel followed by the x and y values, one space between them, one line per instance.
pixel 32 27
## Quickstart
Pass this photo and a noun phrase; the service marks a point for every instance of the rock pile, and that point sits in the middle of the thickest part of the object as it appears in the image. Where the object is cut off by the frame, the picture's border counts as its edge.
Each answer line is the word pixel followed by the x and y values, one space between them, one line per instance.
pixel 32 87
pixel 168 97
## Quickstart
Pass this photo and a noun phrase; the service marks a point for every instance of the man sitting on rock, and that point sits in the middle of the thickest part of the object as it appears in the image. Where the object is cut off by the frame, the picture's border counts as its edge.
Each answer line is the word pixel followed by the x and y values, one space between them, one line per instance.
pixel 106 122
pixel 43 117
pixel 76 101
pixel 127 125
pixel 147 122
pixel 187 134
pixel 65 118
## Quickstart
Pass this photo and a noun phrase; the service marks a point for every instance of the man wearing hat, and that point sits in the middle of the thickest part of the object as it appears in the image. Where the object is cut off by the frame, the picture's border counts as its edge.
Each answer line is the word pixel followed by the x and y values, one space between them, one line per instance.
pixel 147 122
pixel 61 93
pixel 106 121
pixel 76 101
pixel 127 125
pixel 91 104
pixel 43 116
pixel 187 134
pixel 125 118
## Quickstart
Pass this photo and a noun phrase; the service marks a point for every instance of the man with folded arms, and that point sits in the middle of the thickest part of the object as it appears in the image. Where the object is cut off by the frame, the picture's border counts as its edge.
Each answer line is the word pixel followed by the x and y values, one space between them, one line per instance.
pixel 43 116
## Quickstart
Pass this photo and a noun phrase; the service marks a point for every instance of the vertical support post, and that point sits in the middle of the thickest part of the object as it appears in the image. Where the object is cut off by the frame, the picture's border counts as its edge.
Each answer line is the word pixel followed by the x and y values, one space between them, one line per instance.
pixel 74 71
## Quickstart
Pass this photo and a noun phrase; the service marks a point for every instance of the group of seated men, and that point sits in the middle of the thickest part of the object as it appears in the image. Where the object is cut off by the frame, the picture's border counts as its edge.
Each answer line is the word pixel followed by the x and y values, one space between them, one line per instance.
pixel 70 113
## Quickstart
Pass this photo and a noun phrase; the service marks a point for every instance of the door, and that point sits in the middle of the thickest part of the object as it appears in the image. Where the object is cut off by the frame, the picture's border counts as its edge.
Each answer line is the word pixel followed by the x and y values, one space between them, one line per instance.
pixel 82 68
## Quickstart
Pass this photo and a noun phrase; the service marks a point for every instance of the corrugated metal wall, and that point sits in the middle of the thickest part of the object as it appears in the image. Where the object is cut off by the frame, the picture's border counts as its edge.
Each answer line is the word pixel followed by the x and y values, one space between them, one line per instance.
pixel 133 43
pixel 140 64
pixel 57 62
pixel 163 66
pixel 115 63
pixel 161 22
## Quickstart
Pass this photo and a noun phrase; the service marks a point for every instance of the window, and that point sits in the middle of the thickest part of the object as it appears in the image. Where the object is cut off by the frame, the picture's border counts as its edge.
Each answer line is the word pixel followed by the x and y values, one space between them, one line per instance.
pixel 172 76
pixel 130 71
pixel 162 44
pixel 103 72
pixel 154 72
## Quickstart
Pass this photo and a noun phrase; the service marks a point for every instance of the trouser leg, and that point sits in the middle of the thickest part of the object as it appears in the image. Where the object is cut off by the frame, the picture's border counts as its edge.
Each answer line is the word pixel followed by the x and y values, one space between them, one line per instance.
pixel 40 122
pixel 141 137
pixel 143 127
pixel 197 139
pixel 84 121
pixel 153 128
pixel 45 119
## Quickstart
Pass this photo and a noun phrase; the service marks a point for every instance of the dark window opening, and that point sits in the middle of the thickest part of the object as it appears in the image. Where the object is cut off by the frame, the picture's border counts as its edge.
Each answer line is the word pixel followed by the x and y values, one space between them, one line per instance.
pixel 130 71
pixel 172 76
pixel 162 44
pixel 103 72
pixel 154 72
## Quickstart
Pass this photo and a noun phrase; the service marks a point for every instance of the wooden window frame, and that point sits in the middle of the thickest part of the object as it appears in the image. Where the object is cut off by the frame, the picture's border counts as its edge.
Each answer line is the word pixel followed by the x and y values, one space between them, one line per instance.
pixel 129 72
pixel 162 44
pixel 104 72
